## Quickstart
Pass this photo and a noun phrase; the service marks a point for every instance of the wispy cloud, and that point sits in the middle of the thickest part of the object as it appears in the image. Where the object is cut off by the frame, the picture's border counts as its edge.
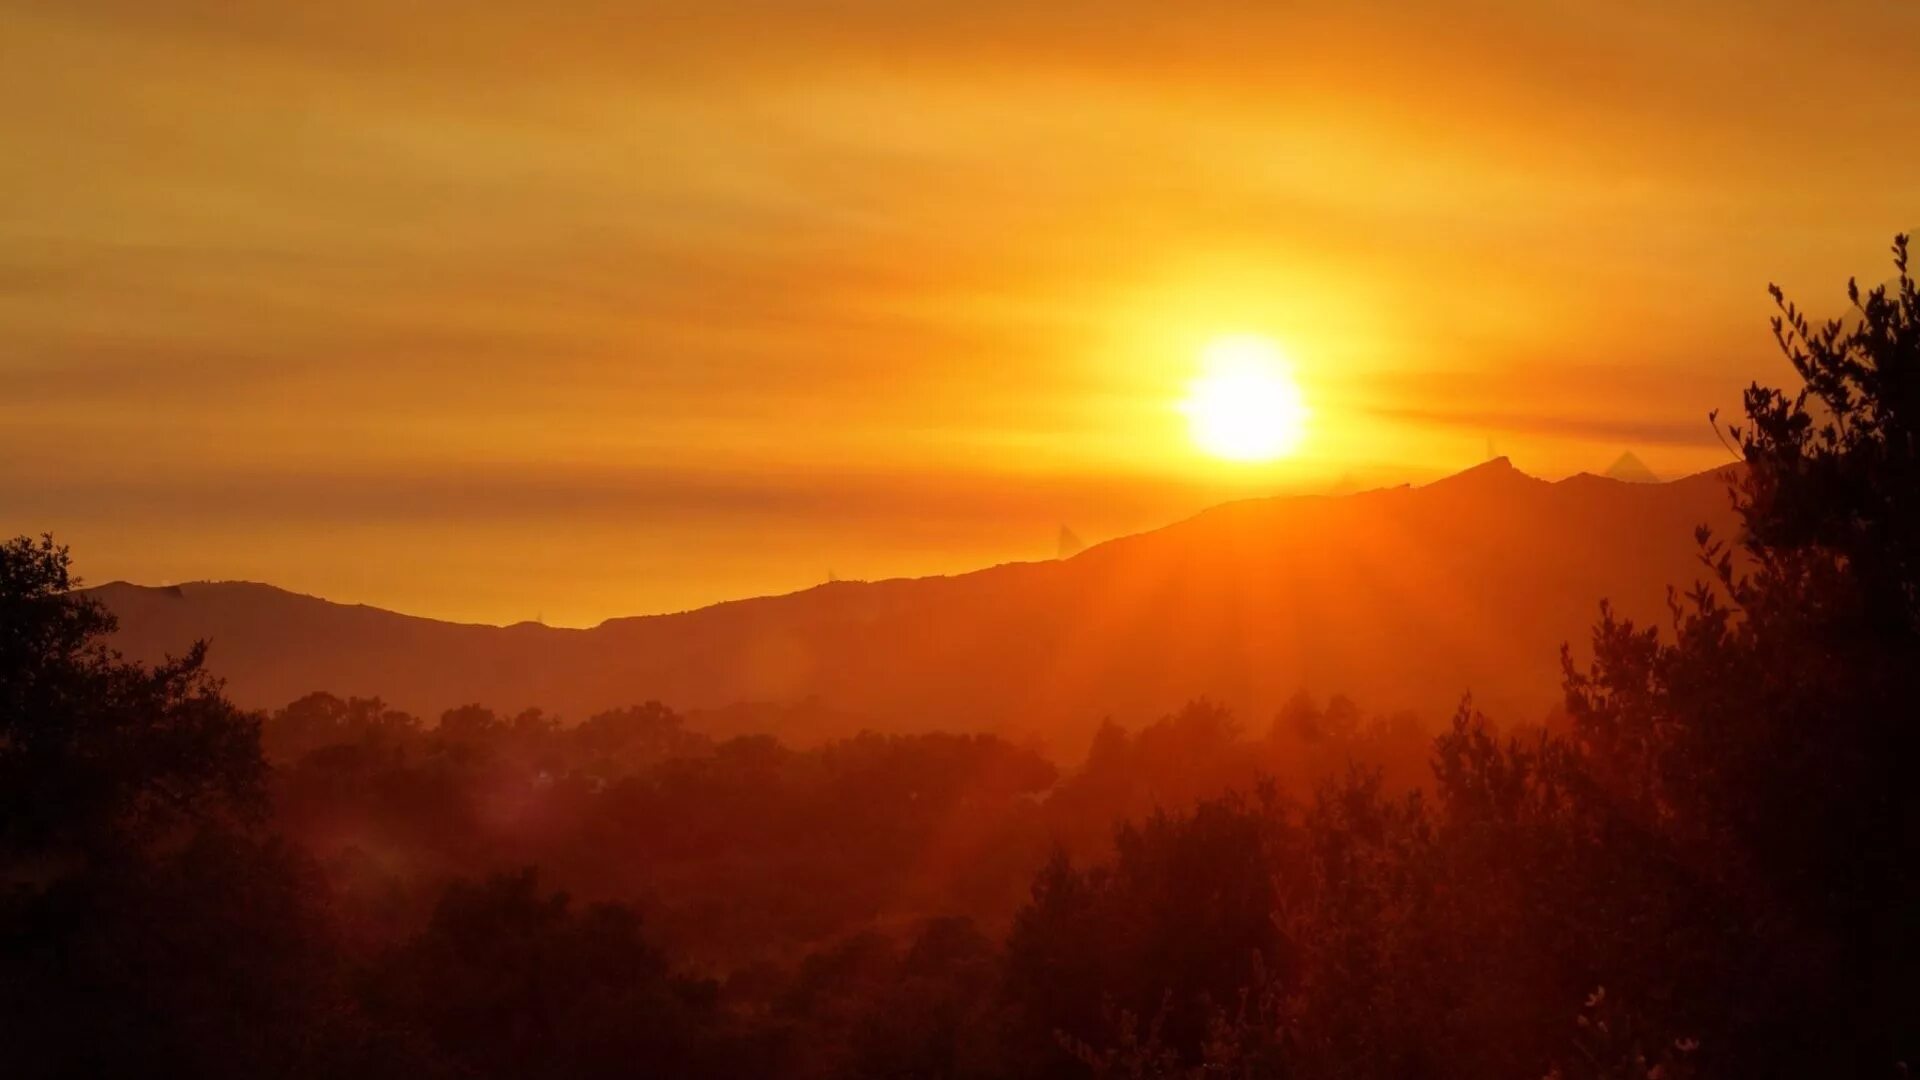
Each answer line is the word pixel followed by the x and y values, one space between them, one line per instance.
pixel 721 251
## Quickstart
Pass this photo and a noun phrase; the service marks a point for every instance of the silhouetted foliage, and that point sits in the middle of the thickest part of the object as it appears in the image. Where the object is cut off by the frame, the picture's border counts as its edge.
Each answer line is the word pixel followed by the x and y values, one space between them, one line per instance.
pixel 1174 927
pixel 144 926
pixel 508 981
pixel 98 757
pixel 1769 745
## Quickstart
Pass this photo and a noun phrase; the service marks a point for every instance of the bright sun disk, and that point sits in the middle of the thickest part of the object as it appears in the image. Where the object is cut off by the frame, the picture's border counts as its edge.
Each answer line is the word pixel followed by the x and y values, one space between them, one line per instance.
pixel 1245 406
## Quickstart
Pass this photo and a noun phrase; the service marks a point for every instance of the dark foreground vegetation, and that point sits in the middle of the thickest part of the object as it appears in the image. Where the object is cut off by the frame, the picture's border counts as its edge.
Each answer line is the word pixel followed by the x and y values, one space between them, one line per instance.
pixel 1706 866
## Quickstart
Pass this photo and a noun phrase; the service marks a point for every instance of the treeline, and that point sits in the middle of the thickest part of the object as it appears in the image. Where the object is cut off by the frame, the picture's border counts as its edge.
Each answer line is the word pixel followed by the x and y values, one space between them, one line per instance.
pixel 746 849
pixel 1706 866
pixel 338 885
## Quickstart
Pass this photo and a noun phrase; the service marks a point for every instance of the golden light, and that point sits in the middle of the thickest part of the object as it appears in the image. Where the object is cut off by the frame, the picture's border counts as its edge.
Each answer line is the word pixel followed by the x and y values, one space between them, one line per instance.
pixel 1245 405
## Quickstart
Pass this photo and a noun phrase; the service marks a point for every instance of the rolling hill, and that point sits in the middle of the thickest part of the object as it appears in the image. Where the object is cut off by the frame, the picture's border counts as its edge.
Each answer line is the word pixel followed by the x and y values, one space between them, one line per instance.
pixel 1401 598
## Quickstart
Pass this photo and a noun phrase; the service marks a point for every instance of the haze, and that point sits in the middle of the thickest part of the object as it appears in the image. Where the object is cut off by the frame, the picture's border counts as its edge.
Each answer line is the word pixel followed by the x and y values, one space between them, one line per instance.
pixel 952 540
pixel 366 299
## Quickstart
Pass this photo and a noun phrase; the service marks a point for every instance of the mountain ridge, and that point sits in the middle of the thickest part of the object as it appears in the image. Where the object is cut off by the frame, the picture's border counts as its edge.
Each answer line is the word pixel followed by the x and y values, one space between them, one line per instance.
pixel 1245 601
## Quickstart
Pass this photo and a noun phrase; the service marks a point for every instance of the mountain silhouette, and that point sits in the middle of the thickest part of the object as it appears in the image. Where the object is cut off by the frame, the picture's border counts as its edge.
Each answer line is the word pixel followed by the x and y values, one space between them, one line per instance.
pixel 1403 597
pixel 1630 468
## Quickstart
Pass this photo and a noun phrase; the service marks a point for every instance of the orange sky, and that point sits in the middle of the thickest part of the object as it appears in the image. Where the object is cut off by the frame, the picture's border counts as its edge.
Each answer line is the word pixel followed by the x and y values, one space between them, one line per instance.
pixel 600 307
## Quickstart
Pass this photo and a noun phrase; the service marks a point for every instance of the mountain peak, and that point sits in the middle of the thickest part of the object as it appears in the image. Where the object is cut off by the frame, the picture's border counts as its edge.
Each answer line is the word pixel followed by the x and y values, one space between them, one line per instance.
pixel 1629 468
pixel 1495 470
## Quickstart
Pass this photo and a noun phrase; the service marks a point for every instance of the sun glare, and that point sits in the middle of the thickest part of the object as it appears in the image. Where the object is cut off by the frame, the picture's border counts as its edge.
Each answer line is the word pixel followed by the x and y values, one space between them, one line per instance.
pixel 1245 406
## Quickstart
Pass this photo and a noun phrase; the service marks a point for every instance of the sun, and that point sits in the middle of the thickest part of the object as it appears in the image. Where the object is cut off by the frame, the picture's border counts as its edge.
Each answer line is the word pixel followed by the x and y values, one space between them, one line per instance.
pixel 1245 406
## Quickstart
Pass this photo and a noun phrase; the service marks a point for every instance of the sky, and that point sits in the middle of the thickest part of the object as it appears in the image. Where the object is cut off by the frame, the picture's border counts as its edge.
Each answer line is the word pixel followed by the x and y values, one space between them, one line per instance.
pixel 589 308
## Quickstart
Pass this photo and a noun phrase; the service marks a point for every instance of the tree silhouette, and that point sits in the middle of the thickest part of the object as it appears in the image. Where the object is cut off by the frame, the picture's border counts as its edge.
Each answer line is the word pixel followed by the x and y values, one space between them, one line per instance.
pixel 1771 742
pixel 145 925
pixel 1171 930
pixel 100 757
pixel 509 981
